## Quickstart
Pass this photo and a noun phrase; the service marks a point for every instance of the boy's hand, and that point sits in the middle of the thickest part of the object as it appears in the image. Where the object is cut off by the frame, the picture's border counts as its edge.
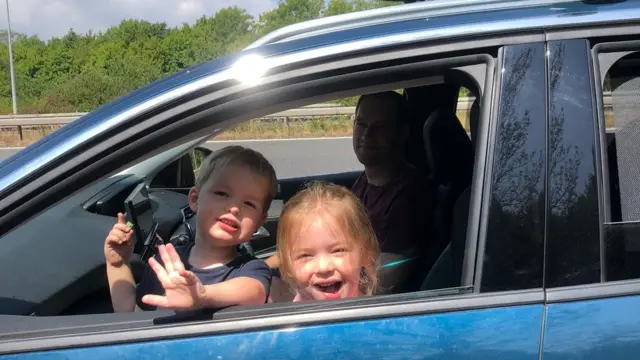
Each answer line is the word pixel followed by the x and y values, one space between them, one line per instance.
pixel 183 289
pixel 118 246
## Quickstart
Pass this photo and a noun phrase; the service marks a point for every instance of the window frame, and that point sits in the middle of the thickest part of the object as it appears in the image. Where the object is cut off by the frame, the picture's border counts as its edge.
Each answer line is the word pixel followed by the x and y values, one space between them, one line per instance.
pixel 140 326
pixel 239 110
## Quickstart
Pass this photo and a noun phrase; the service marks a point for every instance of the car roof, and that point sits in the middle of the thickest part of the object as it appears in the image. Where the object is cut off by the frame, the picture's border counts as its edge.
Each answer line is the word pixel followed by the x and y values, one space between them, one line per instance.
pixel 430 20
pixel 426 11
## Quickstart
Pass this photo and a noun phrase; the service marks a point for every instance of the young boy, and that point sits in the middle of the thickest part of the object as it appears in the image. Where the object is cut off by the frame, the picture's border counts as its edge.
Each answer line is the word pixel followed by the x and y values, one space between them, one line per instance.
pixel 231 197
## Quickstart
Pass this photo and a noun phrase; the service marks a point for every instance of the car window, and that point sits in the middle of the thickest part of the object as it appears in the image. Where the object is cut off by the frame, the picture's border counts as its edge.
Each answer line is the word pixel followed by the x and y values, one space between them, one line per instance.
pixel 620 98
pixel 197 157
pixel 314 142
pixel 466 101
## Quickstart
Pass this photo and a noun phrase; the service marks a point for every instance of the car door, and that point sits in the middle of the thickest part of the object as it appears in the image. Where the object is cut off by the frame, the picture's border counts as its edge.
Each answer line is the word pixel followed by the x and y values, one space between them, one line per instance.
pixel 495 311
pixel 592 258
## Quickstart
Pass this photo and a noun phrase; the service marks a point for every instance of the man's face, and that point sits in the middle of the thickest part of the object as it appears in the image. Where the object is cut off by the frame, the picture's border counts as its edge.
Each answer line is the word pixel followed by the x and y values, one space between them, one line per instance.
pixel 375 132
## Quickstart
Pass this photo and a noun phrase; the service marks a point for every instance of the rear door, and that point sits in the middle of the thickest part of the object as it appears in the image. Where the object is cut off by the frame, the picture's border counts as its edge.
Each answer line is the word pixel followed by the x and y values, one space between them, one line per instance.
pixel 594 190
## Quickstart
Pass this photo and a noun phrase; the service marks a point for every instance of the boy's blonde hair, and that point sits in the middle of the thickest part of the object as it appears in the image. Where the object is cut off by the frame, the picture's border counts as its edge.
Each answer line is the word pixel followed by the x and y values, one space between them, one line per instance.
pixel 234 155
pixel 344 210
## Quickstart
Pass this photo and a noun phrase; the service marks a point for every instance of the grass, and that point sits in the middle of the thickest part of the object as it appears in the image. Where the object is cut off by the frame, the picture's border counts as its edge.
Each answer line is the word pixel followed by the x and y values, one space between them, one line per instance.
pixel 278 129
pixel 252 129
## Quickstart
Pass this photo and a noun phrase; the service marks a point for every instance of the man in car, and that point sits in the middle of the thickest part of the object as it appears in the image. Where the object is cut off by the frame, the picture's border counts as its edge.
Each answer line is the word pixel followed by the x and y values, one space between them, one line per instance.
pixel 395 193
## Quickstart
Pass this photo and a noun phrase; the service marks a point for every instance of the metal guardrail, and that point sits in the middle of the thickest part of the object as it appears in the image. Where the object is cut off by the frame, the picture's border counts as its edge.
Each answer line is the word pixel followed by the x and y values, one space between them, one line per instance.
pixel 60 119
pixel 317 110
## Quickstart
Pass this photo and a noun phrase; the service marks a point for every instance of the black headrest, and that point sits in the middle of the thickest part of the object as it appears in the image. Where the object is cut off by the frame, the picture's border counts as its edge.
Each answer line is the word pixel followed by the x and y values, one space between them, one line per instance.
pixel 422 101
pixel 188 175
pixel 448 149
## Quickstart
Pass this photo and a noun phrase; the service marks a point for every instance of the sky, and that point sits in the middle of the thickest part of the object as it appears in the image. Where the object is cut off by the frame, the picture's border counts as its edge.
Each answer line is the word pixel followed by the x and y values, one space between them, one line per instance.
pixel 48 18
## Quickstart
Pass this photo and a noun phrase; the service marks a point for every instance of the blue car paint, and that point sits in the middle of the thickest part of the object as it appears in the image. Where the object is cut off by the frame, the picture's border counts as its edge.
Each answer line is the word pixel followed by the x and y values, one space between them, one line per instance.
pixel 600 329
pixel 492 334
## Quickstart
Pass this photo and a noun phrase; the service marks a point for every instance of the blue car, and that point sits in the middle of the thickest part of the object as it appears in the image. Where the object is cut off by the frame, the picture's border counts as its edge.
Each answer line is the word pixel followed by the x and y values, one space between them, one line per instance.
pixel 537 221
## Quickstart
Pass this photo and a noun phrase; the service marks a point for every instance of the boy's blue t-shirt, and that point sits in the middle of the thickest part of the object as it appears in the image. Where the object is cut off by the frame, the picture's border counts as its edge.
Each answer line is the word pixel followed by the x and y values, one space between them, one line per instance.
pixel 243 265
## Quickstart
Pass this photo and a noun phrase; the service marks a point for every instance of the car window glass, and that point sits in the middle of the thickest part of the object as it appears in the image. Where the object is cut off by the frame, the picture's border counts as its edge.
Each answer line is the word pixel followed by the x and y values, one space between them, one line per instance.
pixel 620 97
pixel 463 108
pixel 197 157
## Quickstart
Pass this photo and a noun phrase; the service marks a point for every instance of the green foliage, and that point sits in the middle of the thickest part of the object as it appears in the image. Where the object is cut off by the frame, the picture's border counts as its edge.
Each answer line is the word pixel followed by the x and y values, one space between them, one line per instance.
pixel 289 12
pixel 80 72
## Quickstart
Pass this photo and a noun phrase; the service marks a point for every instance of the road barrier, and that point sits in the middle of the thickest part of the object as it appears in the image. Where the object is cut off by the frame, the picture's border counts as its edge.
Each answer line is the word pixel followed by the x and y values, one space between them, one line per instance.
pixel 312 111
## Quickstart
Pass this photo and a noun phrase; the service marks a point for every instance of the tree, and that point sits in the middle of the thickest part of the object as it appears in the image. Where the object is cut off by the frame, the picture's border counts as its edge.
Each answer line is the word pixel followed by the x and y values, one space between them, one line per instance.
pixel 15 36
pixel 214 36
pixel 289 12
pixel 337 7
pixel 79 72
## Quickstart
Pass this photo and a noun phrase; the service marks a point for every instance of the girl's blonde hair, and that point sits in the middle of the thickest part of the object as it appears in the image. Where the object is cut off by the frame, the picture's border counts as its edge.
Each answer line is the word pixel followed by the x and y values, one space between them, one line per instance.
pixel 343 209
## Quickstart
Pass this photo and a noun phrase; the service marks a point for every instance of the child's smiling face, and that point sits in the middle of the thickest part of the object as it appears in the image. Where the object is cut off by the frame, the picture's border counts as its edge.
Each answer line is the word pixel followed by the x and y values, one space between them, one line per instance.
pixel 230 206
pixel 325 263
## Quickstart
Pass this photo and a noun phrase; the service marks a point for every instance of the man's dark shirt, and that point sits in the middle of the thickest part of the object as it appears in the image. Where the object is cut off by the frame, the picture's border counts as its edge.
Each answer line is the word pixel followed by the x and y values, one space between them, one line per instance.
pixel 242 266
pixel 400 211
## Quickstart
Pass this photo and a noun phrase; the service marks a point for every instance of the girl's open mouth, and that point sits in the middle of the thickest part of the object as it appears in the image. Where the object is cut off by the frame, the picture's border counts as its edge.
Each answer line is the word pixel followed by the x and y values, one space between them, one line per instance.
pixel 329 288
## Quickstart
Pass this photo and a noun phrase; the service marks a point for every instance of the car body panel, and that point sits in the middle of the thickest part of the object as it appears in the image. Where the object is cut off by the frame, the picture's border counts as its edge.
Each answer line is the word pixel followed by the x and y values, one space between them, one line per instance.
pixel 492 334
pixel 593 329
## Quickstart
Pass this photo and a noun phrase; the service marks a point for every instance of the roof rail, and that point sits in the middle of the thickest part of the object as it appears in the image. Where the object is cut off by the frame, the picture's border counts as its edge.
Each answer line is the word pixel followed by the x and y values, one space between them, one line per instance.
pixel 392 14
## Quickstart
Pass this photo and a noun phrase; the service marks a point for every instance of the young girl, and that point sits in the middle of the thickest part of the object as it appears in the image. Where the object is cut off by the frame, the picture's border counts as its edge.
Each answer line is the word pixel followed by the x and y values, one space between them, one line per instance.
pixel 326 246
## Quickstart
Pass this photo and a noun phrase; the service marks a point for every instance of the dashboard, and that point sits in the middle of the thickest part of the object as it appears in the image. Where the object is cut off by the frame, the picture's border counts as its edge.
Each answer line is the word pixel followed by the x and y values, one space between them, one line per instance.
pixel 167 205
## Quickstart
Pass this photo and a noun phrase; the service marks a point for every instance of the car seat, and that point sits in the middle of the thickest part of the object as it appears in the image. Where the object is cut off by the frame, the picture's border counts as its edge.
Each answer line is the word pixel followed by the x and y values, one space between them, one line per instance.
pixel 450 154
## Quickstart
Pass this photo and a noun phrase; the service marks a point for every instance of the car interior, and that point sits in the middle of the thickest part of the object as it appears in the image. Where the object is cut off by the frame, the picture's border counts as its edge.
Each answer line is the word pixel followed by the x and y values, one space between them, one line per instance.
pixel 623 72
pixel 623 251
pixel 438 144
